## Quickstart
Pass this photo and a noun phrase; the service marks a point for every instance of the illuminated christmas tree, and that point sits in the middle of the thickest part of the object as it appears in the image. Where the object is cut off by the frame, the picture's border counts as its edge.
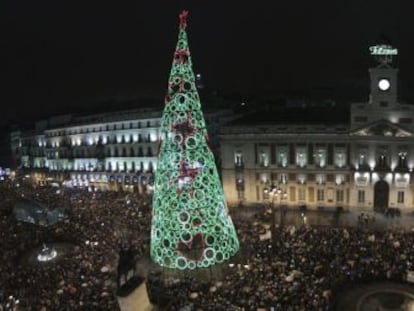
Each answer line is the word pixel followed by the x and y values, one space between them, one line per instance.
pixel 191 227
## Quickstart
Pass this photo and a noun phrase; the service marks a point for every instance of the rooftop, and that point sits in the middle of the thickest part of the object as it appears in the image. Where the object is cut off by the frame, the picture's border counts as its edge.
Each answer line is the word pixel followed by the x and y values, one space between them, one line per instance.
pixel 297 115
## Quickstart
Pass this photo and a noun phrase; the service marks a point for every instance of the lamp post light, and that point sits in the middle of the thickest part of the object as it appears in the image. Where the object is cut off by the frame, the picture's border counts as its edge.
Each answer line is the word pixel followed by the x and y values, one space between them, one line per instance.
pixel 12 304
pixel 277 192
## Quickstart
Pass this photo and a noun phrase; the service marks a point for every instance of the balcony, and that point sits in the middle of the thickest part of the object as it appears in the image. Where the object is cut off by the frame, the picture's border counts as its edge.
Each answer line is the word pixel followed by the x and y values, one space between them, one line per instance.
pixel 364 167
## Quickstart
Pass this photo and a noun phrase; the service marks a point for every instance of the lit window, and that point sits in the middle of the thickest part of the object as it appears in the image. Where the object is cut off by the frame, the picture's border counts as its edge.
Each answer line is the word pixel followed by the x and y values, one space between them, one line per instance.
pixel 320 179
pixel 340 158
pixel 264 159
pixel 301 158
pixel 339 179
pixel 362 158
pixel 282 157
pixel 283 178
pixel 301 179
pixel 238 159
pixel 320 158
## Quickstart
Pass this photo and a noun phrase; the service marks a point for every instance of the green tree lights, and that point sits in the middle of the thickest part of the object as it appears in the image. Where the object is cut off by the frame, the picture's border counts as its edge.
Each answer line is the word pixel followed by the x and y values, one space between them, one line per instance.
pixel 191 227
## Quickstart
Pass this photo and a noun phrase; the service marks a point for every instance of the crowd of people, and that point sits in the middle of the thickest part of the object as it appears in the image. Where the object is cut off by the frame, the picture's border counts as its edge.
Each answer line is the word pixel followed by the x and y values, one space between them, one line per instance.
pixel 303 269
pixel 98 224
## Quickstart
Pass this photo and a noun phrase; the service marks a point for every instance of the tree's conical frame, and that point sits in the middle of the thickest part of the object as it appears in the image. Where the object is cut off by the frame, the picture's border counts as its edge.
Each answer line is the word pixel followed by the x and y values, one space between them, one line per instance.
pixel 191 226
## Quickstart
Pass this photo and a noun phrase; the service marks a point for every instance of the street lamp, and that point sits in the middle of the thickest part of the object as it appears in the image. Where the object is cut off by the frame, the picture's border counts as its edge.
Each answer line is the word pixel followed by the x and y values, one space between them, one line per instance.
pixel 277 192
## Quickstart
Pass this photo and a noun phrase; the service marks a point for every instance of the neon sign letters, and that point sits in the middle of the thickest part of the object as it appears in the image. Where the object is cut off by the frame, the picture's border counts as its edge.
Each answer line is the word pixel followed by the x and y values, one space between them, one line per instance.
pixel 383 50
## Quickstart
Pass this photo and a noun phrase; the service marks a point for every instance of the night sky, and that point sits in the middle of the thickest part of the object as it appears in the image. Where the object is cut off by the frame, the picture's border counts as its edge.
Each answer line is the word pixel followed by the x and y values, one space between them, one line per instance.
pixel 60 56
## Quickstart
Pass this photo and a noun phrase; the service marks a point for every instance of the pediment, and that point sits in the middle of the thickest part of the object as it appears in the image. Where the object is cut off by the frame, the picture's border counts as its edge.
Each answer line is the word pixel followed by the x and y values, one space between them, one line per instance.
pixel 382 128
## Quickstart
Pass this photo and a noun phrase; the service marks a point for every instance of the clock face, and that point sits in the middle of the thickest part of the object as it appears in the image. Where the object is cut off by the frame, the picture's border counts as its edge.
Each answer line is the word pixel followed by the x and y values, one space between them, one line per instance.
pixel 384 84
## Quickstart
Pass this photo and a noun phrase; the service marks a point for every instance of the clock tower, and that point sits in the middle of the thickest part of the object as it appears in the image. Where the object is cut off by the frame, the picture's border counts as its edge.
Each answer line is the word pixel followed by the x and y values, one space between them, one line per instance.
pixel 383 76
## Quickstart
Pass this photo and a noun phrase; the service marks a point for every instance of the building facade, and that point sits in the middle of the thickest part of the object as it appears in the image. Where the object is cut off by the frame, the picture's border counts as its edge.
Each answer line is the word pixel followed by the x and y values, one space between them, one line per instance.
pixel 103 151
pixel 365 163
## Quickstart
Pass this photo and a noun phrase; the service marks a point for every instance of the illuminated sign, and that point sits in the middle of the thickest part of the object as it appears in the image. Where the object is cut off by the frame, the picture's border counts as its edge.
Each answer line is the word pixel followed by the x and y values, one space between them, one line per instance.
pixel 383 50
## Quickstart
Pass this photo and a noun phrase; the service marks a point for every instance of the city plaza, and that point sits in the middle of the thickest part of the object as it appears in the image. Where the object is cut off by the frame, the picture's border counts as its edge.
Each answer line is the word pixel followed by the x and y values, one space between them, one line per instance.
pixel 310 205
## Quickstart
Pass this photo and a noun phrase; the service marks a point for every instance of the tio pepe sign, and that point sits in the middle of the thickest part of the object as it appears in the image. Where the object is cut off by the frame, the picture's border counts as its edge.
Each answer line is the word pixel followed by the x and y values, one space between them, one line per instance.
pixel 383 50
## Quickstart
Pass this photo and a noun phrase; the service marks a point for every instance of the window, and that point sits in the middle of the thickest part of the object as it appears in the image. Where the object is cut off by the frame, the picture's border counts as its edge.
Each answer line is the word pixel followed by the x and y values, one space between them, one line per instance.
pixel 264 159
pixel 340 158
pixel 283 178
pixel 301 194
pixel 320 158
pixel 400 198
pixel 320 195
pixel 301 179
pixel 282 157
pixel 363 157
pixel 339 179
pixel 402 160
pixel 301 157
pixel 238 159
pixel 339 196
pixel 382 161
pixel 361 196
pixel 320 179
